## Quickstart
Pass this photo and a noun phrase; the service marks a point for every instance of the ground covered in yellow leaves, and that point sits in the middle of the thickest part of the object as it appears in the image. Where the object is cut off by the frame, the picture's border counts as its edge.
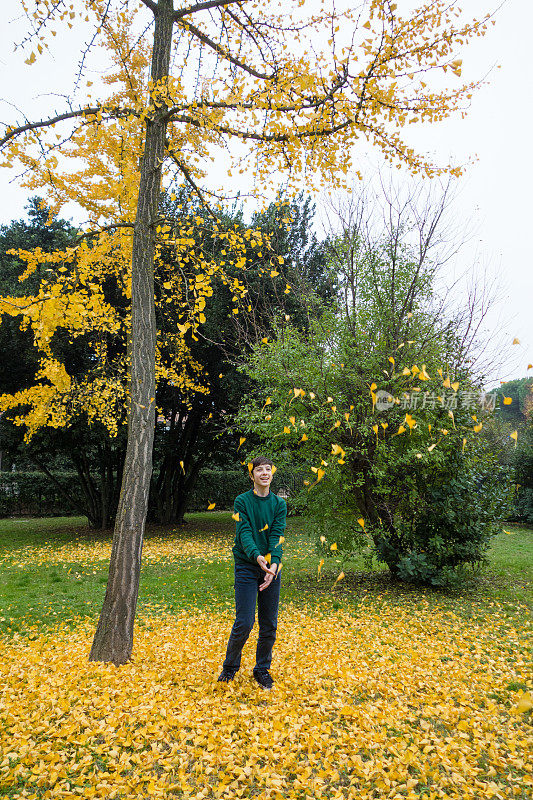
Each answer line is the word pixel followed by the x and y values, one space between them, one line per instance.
pixel 393 700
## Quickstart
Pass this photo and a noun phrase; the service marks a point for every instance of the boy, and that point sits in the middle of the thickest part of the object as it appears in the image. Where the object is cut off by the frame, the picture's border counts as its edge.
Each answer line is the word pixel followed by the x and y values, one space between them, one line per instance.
pixel 261 523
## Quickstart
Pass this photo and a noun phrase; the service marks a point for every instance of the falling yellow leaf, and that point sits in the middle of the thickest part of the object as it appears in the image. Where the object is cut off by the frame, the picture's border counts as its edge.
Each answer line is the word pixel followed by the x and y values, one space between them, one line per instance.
pixel 464 443
pixel 530 366
pixel 401 429
pixel 432 447
pixel 182 465
pixel 268 558
pixel 525 703
pixel 455 386
pixel 333 546
pixel 286 429
pixel 320 565
pixel 406 371
pixel 281 540
pixel 339 577
pixel 446 383
pixel 507 401
pixel 361 522
pixel 241 442
pixel 304 438
pixel 323 539
pixel 516 341
pixel 509 533
pixel 514 435
pixel 392 361
pixel 478 427
pixel 235 516
pixel 265 527
pixel 211 506
pixel 279 569
pixel 274 469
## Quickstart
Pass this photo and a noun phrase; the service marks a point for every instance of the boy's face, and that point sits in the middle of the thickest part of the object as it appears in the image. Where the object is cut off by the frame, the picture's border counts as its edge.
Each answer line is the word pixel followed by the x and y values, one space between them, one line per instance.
pixel 262 475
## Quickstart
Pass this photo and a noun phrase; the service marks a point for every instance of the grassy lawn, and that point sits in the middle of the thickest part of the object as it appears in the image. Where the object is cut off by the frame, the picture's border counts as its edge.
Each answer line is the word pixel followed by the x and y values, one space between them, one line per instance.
pixel 55 570
pixel 382 690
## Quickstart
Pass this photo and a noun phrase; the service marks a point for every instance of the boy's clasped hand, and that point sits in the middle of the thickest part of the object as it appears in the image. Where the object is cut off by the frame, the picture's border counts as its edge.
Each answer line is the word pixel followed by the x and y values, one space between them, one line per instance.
pixel 270 572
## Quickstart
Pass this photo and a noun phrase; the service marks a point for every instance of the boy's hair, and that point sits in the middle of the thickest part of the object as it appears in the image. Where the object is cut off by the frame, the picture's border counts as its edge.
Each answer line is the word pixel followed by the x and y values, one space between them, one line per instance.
pixel 257 463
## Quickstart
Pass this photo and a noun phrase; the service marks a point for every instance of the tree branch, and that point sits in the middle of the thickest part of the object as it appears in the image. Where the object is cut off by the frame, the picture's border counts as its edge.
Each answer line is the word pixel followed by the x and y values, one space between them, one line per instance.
pixel 221 52
pixel 192 183
pixel 11 133
pixel 151 5
pixel 201 6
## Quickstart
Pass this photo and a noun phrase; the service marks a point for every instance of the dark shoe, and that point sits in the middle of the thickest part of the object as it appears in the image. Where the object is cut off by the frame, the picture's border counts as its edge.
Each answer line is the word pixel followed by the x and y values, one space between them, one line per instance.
pixel 264 678
pixel 226 675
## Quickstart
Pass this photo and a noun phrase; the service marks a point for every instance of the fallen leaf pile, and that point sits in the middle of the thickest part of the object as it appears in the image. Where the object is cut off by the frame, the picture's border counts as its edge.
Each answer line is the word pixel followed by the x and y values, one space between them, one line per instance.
pixel 160 549
pixel 388 701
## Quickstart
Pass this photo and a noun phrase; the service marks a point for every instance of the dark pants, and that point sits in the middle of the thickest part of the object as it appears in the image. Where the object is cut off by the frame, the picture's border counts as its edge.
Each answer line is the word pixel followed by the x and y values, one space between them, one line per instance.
pixel 248 578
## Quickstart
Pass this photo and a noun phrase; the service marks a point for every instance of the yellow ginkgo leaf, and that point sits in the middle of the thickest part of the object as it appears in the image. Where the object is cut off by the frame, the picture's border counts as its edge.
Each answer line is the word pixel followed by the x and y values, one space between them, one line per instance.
pixel 241 442
pixel 211 506
pixel 235 516
pixel 265 527
pixel 281 540
pixel 478 427
pixel 264 340
pixel 278 569
pixel 268 558
pixel 274 469
pixel 339 577
pixel 446 383
pixel 182 465
pixel 516 341
pixel 333 546
pixel 384 425
pixel 250 466
pixel 304 438
pixel 323 539
pixel 406 371
pixel 455 386
pixel 320 565
pixel 375 428
pixel 286 429
pixel 432 447
pixel 320 474
pixel 525 703
pixel 392 361
pixel 464 443
pixel 361 522
pixel 401 429
pixel 530 366
pixel 514 435
pixel 507 401
pixel 509 533
pixel 373 386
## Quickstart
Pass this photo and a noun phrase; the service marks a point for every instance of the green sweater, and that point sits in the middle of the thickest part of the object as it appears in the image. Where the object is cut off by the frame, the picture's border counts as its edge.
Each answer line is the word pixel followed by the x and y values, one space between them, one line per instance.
pixel 261 523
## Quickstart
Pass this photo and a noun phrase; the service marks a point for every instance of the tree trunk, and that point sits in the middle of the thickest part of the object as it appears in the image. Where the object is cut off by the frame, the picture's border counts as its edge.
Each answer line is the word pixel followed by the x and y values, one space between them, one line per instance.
pixel 113 639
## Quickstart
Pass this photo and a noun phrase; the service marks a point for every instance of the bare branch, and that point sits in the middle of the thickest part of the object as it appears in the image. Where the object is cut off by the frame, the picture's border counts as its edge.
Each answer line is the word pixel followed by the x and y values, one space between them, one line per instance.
pixel 192 183
pixel 221 52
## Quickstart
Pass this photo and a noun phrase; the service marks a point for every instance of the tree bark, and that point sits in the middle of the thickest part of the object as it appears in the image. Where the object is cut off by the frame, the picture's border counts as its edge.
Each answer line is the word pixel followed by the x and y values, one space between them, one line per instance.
pixel 113 639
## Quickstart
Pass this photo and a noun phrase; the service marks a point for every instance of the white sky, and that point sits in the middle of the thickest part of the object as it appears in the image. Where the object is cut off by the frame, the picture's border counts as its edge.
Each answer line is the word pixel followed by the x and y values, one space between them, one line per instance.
pixel 494 194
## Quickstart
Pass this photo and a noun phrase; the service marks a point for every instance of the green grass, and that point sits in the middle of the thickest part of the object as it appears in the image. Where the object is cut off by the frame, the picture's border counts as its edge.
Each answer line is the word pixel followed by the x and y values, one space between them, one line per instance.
pixel 43 594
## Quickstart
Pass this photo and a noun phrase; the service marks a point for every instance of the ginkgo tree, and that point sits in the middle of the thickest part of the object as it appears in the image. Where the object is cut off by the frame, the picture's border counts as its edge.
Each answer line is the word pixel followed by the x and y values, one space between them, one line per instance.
pixel 284 90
